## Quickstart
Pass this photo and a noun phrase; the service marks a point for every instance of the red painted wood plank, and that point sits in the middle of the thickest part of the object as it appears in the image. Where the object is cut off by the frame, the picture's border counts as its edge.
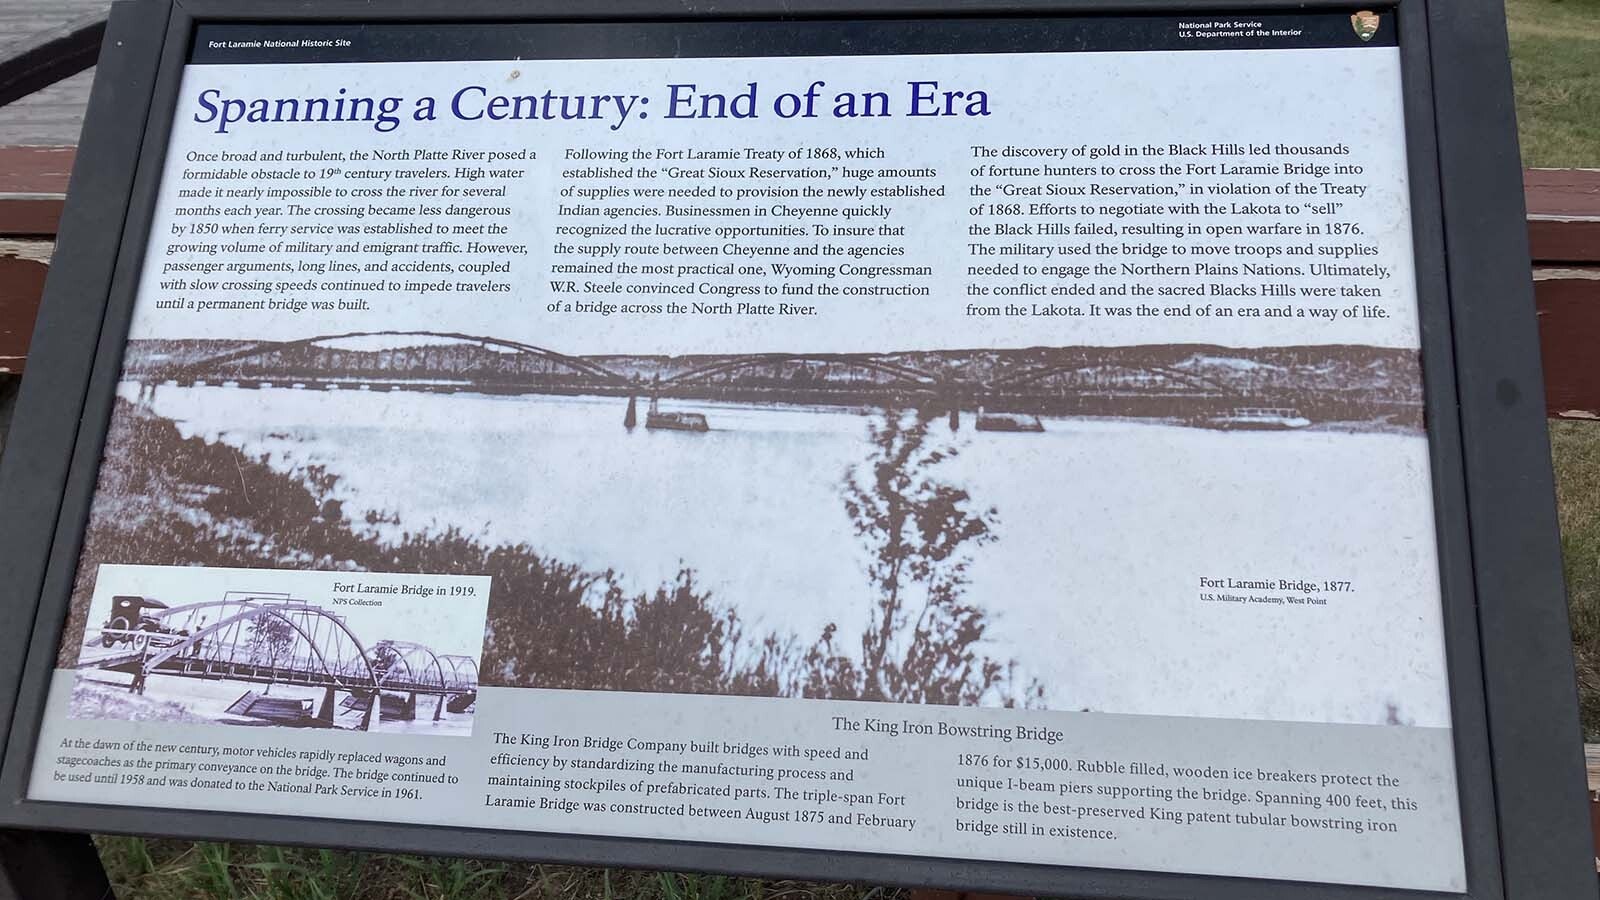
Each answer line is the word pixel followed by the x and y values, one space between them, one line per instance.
pixel 1568 301
pixel 33 188
pixel 1562 192
pixel 1573 241
pixel 1563 214
pixel 22 271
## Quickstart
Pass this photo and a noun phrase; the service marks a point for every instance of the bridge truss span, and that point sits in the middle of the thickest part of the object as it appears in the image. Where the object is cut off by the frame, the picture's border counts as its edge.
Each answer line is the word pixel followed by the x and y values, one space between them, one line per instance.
pixel 260 638
pixel 462 672
pixel 1184 383
pixel 805 371
pixel 262 641
pixel 393 359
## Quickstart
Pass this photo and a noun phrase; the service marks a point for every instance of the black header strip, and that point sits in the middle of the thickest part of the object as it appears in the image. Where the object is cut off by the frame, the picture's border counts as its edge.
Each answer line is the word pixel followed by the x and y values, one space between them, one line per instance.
pixel 277 43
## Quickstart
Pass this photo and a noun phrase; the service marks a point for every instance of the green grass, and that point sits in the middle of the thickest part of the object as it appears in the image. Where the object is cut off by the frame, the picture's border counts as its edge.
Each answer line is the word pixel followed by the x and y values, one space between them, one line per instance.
pixel 1555 48
pixel 1575 448
pixel 177 870
pixel 1555 61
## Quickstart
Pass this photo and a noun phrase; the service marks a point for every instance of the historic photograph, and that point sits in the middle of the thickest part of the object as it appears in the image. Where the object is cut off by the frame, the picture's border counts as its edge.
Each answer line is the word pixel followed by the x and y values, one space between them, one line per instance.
pixel 969 527
pixel 362 653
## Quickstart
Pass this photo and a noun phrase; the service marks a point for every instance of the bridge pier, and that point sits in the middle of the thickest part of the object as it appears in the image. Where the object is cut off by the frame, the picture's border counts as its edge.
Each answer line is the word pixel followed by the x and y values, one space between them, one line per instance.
pixel 325 712
pixel 369 721
pixel 409 710
pixel 438 711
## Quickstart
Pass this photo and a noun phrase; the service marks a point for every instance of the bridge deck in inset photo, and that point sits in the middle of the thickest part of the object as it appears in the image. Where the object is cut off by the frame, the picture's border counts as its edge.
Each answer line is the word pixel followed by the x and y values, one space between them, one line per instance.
pixel 269 641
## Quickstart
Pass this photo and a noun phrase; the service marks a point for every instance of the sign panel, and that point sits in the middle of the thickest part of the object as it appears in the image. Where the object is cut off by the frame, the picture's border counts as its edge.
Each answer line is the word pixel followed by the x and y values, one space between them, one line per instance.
pixel 995 440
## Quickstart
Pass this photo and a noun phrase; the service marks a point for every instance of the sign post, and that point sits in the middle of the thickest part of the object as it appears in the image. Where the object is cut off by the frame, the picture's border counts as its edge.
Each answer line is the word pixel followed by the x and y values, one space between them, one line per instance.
pixel 50 864
pixel 1043 450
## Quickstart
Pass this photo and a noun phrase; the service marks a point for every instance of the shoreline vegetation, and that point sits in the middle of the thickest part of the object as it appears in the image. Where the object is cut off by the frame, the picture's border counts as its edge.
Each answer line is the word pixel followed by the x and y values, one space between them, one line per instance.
pixel 98 700
pixel 164 499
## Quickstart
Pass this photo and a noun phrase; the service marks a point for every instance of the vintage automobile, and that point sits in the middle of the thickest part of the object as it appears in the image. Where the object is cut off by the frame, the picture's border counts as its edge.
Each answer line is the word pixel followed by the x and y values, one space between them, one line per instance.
pixel 129 613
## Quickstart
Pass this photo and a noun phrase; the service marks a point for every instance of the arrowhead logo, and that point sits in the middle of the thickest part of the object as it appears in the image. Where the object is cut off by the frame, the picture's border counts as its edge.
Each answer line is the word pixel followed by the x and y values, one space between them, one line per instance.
pixel 1366 24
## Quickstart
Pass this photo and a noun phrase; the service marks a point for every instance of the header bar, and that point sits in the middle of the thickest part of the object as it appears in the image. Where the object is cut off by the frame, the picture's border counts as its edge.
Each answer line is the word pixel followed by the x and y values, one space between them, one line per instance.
pixel 277 43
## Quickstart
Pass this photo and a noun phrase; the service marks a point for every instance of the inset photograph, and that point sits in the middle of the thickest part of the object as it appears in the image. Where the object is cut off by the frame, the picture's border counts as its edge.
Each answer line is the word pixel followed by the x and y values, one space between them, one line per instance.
pixel 358 652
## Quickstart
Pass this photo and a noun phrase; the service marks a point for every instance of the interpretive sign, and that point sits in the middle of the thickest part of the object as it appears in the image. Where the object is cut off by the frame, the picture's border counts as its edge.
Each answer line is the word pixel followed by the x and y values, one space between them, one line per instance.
pixel 1024 443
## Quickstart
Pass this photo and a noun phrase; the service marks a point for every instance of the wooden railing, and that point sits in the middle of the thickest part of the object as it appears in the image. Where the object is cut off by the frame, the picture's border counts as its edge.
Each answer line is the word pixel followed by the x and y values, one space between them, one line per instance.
pixel 33 187
pixel 1564 235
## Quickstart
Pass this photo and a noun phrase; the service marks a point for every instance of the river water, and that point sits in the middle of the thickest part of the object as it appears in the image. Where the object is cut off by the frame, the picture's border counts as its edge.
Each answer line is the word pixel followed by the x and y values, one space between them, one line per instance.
pixel 1104 529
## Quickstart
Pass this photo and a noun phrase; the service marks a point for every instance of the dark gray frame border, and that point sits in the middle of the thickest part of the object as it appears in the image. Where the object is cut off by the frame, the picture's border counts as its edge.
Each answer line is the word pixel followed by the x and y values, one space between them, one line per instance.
pixel 1518 754
pixel 1536 745
pixel 66 336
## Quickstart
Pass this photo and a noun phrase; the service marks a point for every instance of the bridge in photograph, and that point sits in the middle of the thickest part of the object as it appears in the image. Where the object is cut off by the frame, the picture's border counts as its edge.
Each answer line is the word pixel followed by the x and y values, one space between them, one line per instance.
pixel 451 362
pixel 1006 389
pixel 276 640
pixel 1127 381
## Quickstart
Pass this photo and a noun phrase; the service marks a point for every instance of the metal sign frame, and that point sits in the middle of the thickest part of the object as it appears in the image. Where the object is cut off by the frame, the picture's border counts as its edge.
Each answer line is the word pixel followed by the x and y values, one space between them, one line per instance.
pixel 1513 697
